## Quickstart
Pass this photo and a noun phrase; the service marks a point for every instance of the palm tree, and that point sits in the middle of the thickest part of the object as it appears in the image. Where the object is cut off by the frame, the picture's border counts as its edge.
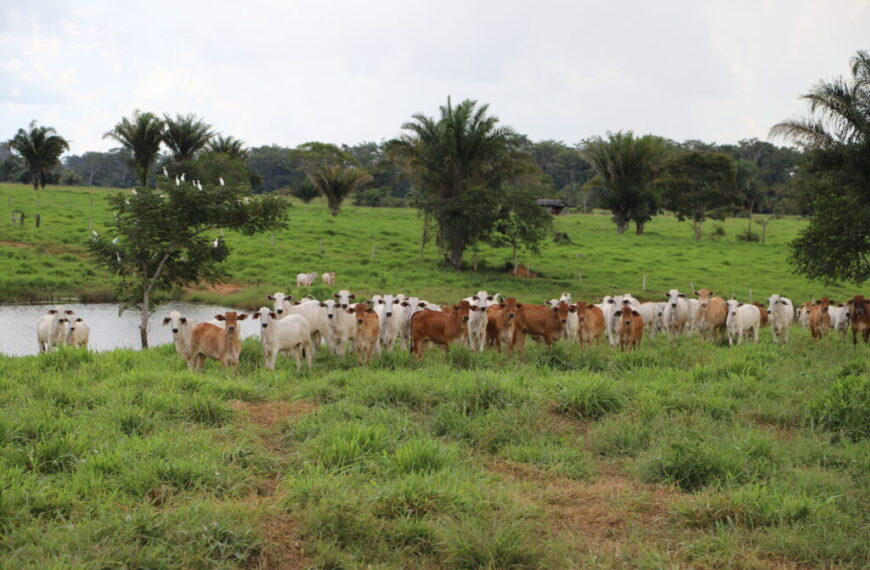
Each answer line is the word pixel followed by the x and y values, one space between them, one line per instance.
pixel 186 135
pixel 231 146
pixel 142 137
pixel 625 166
pixel 337 182
pixel 40 148
pixel 840 111
pixel 460 163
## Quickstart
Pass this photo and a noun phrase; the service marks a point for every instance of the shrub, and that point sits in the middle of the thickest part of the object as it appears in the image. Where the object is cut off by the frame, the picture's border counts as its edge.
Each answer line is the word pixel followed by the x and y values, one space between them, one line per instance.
pixel 420 456
pixel 589 398
pixel 496 544
pixel 748 235
pixel 844 407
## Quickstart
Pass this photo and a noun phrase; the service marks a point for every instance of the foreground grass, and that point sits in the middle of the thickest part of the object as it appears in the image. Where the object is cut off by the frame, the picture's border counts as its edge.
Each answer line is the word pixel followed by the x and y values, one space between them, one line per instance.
pixel 680 453
pixel 377 250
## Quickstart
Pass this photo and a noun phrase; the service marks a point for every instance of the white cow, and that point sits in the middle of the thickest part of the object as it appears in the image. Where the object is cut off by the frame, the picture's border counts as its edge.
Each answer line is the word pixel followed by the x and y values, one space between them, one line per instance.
pixel 649 312
pixel 839 317
pixel 676 313
pixel 803 314
pixel 388 320
pixel 51 329
pixel 476 339
pixel 341 327
pixel 288 336
pixel 742 318
pixel 694 316
pixel 305 279
pixel 781 313
pixel 328 278
pixel 609 306
pixel 181 327
pixel 79 333
pixel 308 308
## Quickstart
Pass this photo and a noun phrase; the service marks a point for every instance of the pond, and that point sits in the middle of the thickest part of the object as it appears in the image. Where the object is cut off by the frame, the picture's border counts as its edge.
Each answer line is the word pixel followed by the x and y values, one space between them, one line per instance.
pixel 108 330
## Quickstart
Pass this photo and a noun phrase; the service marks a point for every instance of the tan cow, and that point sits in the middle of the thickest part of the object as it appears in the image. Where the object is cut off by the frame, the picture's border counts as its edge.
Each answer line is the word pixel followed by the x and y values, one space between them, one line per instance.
pixel 367 332
pixel 591 322
pixel 629 327
pixel 541 321
pixel 218 343
pixel 500 322
pixel 440 327
pixel 820 319
pixel 712 314
pixel 859 316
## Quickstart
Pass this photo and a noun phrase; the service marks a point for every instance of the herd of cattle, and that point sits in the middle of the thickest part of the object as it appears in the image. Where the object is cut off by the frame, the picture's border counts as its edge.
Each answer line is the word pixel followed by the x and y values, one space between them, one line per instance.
pixel 297 329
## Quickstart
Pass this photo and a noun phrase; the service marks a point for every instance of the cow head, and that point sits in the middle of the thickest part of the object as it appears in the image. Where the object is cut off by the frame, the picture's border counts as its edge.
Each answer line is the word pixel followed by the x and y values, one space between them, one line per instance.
pixel 562 309
pixel 177 321
pixel 360 310
pixel 463 311
pixel 279 299
pixel 231 320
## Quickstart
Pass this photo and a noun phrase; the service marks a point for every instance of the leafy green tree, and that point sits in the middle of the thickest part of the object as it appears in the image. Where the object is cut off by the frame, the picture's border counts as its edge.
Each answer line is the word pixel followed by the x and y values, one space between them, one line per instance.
pixel 563 164
pixel 186 136
pixel 210 167
pixel 459 163
pixel 835 176
pixel 40 149
pixel 163 238
pixel 521 222
pixel 698 184
pixel 331 170
pixel 142 136
pixel 228 145
pixel 625 166
pixel 305 191
pixel 274 165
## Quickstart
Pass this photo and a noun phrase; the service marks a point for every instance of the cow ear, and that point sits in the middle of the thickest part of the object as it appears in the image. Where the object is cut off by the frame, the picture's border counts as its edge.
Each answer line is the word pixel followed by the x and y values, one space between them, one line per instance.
pixel 270 297
pixel 273 315
pixel 352 297
pixel 635 313
pixel 475 298
pixel 519 305
pixel 489 297
pixel 166 321
pixel 295 302
pixel 712 293
pixel 350 311
pixel 618 313
pixel 336 295
pixel 322 304
pixel 242 317
pixel 474 308
pixel 183 320
pixel 696 293
pixel 456 307
pixel 739 304
pixel 421 305
pixel 555 309
pixel 220 318
pixel 683 295
pixel 406 304
pixel 52 311
pixel 370 310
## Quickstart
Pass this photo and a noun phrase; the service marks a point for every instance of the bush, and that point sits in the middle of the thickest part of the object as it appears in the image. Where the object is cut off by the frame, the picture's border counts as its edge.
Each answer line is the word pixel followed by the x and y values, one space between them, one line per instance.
pixel 748 235
pixel 717 233
pixel 420 456
pixel 844 408
pixel 589 398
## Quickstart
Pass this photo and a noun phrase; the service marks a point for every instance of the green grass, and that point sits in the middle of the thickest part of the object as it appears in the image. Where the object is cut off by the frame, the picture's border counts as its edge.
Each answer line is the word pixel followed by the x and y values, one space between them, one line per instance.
pixel 53 261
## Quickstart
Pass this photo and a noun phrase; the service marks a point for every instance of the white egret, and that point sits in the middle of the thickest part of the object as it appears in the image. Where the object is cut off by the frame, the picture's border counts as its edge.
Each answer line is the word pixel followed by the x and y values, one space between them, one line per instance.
pixel 221 180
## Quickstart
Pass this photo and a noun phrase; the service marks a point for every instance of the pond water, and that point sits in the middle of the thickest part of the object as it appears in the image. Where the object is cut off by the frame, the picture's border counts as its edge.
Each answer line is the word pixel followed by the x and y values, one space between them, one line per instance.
pixel 108 330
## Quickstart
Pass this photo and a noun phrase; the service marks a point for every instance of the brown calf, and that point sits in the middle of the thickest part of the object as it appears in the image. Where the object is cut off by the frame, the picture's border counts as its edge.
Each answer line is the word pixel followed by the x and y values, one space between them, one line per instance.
pixel 820 319
pixel 221 344
pixel 629 327
pixel 366 333
pixel 591 319
pixel 440 327
pixel 712 314
pixel 859 318
pixel 764 314
pixel 541 321
pixel 500 323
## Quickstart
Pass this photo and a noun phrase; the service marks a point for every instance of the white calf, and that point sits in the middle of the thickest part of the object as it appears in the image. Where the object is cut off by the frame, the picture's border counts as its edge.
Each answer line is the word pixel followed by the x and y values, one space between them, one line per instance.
pixel 51 329
pixel 781 313
pixel 181 327
pixel 477 320
pixel 839 317
pixel 388 321
pixel 305 279
pixel 328 278
pixel 288 336
pixel 341 327
pixel 742 317
pixel 79 333
pixel 676 314
pixel 649 312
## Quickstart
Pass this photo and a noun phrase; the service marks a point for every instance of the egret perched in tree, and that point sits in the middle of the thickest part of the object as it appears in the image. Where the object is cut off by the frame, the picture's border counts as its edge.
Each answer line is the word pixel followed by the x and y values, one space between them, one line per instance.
pixel 133 192
pixel 182 176
pixel 115 241
pixel 165 172
pixel 96 235
pixel 118 257
pixel 177 181
pixel 221 180
pixel 215 243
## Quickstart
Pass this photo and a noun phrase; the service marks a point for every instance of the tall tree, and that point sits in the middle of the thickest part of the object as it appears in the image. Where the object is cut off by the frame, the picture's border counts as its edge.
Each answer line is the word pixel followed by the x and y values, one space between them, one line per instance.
pixel 228 145
pixel 40 148
pixel 331 170
pixel 698 184
pixel 142 136
pixel 835 178
pixel 186 136
pixel 459 163
pixel 625 166
pixel 162 238
pixel 521 222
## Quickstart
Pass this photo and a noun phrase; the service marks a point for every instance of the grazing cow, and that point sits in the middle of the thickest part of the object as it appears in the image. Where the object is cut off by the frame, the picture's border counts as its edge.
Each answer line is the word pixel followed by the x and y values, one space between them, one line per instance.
pixel 676 314
pixel 79 333
pixel 288 336
pixel 742 318
pixel 803 314
pixel 218 343
pixel 590 322
pixel 712 314
pixel 500 323
pixel 820 318
pixel 439 327
pixel 51 329
pixel 629 327
pixel 341 327
pixel 840 318
pixel 541 321
pixel 781 313
pixel 367 332
pixel 478 320
pixel 306 279
pixel 764 315
pixel 859 317
pixel 328 278
pixel 181 327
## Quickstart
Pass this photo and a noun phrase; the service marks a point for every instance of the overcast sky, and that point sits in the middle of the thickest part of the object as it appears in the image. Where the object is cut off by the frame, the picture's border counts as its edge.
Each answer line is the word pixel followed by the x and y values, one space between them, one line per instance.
pixel 346 72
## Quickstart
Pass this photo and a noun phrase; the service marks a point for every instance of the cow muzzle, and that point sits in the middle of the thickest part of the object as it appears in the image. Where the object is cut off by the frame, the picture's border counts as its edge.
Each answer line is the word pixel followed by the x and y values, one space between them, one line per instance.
pixel 359 321
pixel 231 329
pixel 279 311
pixel 329 316
pixel 264 325
pixel 174 331
pixel 673 304
pixel 389 314
pixel 465 318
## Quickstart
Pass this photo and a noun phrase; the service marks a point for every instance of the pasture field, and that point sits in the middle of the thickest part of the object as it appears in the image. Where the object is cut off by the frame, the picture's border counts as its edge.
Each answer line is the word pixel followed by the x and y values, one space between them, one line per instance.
pixel 51 261
pixel 681 454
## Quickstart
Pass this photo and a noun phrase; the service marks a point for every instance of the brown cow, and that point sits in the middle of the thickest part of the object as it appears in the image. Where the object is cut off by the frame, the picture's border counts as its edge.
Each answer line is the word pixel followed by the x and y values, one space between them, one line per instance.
pixel 712 314
pixel 764 314
pixel 591 319
pixel 219 343
pixel 500 323
pixel 440 327
pixel 820 319
pixel 629 328
pixel 541 321
pixel 859 317
pixel 366 332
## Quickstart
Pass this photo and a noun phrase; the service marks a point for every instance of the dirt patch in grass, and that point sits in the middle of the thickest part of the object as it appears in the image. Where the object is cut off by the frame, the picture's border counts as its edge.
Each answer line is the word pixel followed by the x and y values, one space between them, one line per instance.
pixel 222 288
pixel 283 547
pixel 15 244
